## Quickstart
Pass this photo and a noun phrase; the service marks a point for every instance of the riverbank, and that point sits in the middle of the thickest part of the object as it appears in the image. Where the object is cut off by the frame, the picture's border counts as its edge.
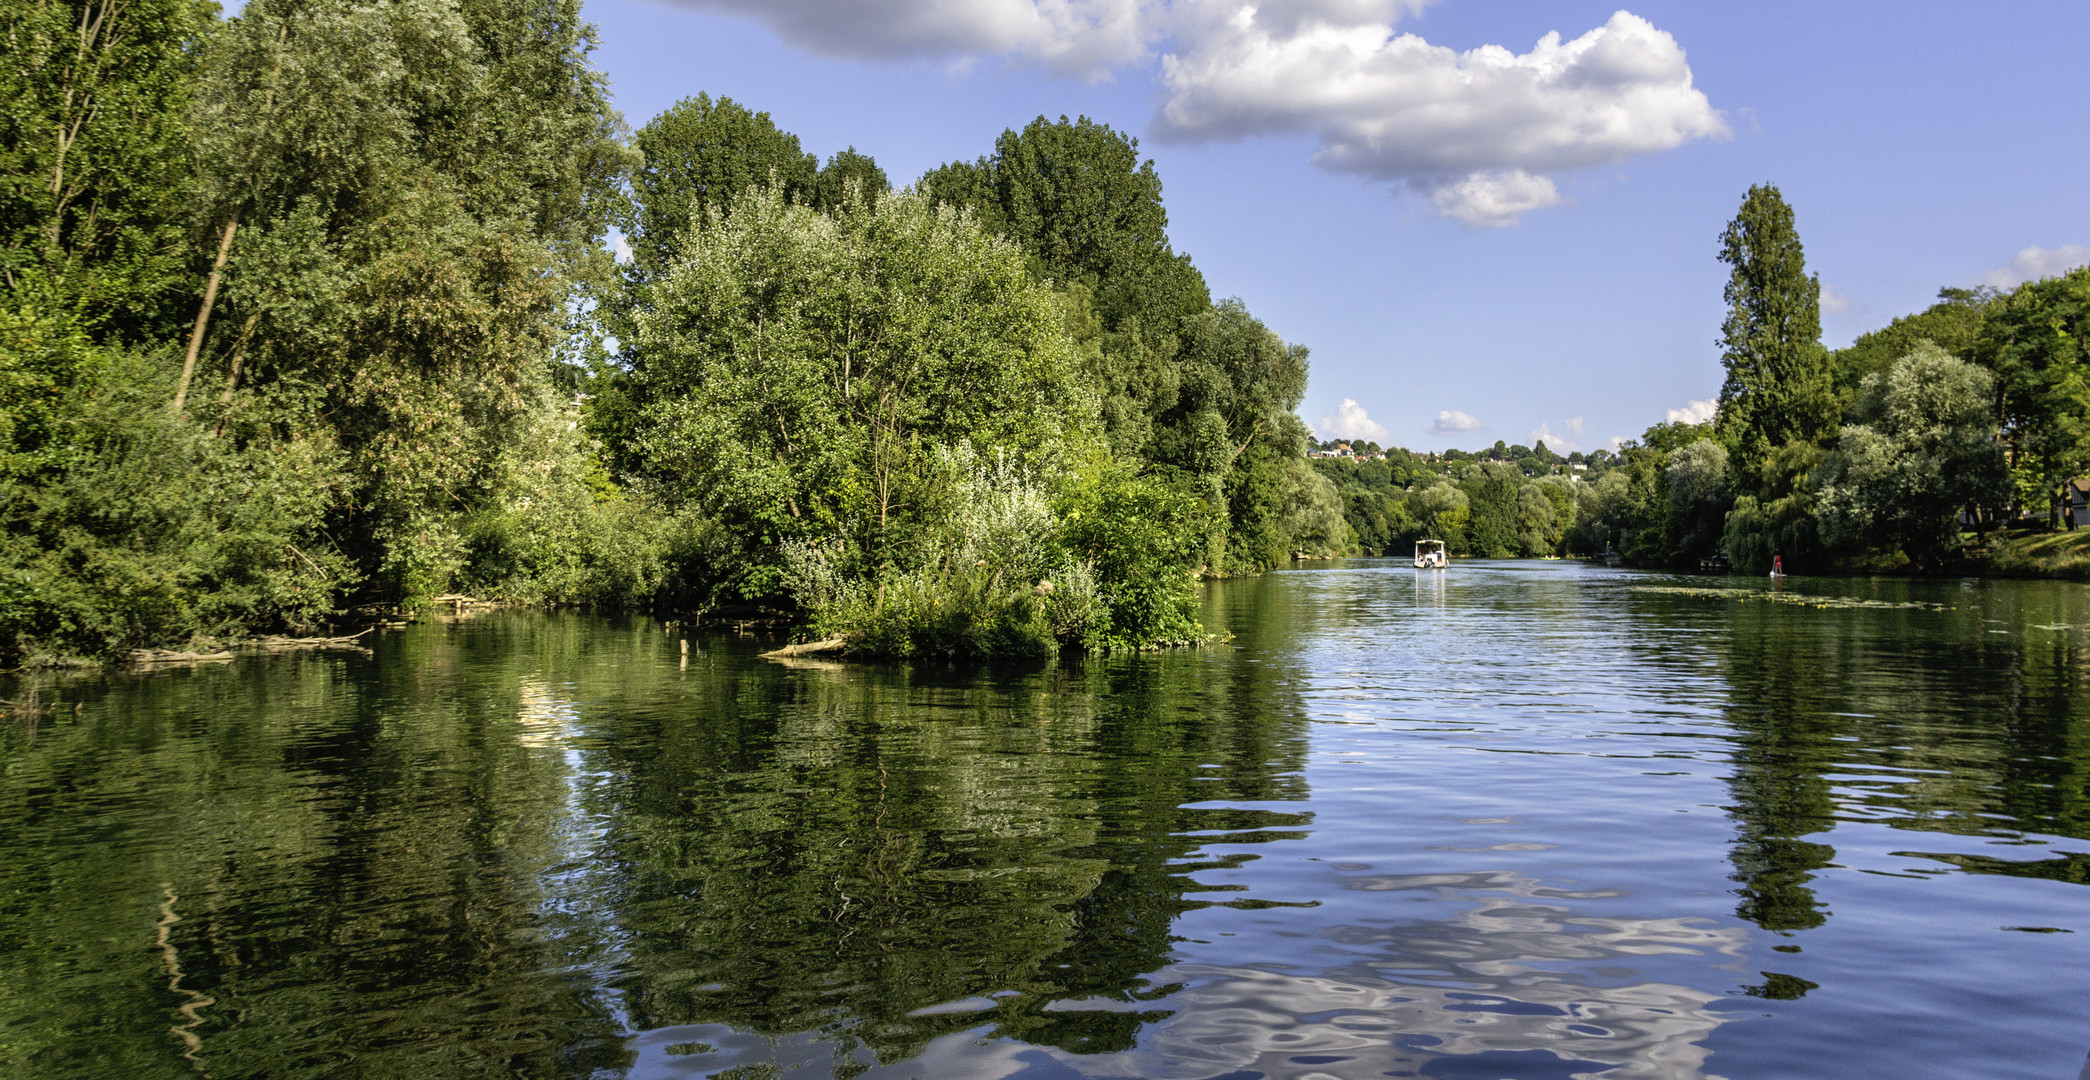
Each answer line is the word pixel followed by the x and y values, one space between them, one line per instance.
pixel 2058 554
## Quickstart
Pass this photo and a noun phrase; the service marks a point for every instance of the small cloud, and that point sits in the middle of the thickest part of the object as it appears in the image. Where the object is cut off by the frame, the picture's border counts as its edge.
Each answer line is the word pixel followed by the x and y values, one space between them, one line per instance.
pixel 1833 301
pixel 1494 199
pixel 1349 421
pixel 1576 428
pixel 620 248
pixel 2034 263
pixel 1453 422
pixel 1695 412
pixel 1617 441
pixel 1559 444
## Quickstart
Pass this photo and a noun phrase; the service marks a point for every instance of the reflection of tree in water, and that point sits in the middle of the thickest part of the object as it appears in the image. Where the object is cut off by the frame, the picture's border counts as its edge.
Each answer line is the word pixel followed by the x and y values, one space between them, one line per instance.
pixel 797 848
pixel 1964 721
pixel 1499 978
pixel 1783 744
pixel 344 858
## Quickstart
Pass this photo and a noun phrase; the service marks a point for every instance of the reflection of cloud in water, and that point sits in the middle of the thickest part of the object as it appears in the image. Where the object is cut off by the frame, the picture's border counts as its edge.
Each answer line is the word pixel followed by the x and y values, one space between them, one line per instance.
pixel 1495 982
pixel 544 717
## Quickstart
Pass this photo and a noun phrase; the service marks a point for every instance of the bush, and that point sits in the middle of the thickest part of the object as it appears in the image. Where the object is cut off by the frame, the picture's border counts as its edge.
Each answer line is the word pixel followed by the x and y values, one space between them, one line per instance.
pixel 1012 573
pixel 144 528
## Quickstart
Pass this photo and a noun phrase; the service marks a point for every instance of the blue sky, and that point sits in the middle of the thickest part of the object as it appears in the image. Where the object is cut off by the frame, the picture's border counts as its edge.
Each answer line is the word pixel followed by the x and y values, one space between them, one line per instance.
pixel 1920 144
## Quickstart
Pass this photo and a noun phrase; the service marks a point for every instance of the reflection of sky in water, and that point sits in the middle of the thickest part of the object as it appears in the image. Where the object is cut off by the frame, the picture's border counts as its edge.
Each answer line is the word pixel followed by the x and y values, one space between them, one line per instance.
pixel 1517 981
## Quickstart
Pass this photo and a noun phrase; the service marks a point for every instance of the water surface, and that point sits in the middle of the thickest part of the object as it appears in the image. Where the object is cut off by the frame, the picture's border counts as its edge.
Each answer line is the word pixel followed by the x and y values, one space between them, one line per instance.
pixel 1516 819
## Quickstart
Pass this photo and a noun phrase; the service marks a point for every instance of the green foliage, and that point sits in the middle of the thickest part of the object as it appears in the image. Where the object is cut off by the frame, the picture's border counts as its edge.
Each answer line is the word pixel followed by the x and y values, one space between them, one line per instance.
pixel 1078 200
pixel 1441 511
pixel 1699 496
pixel 1780 519
pixel 1491 491
pixel 147 529
pixel 557 530
pixel 1142 536
pixel 2032 339
pixel 1777 388
pixel 1013 572
pixel 797 370
pixel 1953 324
pixel 849 175
pixel 1923 451
pixel 701 154
pixel 94 159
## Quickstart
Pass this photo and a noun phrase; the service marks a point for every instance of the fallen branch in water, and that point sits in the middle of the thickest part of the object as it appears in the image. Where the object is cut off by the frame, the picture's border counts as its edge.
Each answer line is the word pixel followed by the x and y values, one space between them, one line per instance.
pixel 810 648
pixel 171 656
pixel 279 643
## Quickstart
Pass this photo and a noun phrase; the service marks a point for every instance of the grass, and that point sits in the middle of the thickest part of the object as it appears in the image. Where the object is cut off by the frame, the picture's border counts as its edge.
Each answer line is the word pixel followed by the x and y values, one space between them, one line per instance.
pixel 2056 554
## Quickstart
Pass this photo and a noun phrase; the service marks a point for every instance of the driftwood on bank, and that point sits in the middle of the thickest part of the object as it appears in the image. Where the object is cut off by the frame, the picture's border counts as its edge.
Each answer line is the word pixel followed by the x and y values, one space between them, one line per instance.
pixel 279 643
pixel 174 656
pixel 810 648
pixel 272 643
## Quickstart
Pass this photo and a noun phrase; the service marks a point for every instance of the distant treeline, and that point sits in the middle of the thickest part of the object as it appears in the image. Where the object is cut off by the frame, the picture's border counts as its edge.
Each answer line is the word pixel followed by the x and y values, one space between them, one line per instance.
pixel 1904 450
pixel 314 309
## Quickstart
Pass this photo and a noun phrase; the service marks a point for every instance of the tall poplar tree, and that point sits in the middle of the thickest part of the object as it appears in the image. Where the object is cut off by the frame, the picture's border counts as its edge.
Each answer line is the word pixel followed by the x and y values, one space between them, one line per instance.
pixel 1778 387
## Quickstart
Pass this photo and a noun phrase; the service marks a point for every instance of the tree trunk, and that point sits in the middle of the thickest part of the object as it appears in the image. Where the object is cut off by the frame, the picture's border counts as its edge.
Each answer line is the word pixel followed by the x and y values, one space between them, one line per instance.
pixel 210 300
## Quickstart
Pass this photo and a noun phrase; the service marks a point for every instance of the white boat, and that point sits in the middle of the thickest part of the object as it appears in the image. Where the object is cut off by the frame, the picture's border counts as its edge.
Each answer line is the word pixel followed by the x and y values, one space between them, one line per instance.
pixel 1429 555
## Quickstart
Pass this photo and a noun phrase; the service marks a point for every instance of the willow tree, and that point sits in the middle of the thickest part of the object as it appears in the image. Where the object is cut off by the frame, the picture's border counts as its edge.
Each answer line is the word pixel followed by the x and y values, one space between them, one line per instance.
pixel 1778 386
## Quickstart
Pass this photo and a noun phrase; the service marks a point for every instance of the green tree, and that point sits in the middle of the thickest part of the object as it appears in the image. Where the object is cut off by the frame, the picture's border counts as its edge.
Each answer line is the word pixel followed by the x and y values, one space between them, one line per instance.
pixel 1699 496
pixel 1778 521
pixel 2032 340
pixel 94 158
pixel 418 194
pixel 1088 211
pixel 94 185
pixel 800 369
pixel 1952 324
pixel 1441 511
pixel 1234 429
pixel 847 171
pixel 1777 388
pixel 1923 451
pixel 702 153
pixel 1491 489
pixel 1079 200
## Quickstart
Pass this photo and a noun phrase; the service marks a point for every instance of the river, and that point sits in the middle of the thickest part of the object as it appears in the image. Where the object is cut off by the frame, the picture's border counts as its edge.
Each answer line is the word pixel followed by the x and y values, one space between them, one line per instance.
pixel 1514 819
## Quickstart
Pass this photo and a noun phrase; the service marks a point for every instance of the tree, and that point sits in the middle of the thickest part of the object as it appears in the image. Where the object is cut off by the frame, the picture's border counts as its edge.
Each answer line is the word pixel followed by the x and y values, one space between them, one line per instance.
pixel 846 172
pixel 1492 489
pixel 1777 388
pixel 95 179
pixel 1699 496
pixel 799 371
pixel 1923 451
pixel 1079 200
pixel 702 153
pixel 1952 324
pixel 2033 340
pixel 94 158
pixel 1233 428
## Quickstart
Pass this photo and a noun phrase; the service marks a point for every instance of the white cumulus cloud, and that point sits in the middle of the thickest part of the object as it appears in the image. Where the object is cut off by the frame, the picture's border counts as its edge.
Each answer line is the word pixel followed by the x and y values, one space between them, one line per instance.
pixel 1694 412
pixel 1349 421
pixel 1832 299
pixel 1453 422
pixel 1083 38
pixel 1479 134
pixel 2034 263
